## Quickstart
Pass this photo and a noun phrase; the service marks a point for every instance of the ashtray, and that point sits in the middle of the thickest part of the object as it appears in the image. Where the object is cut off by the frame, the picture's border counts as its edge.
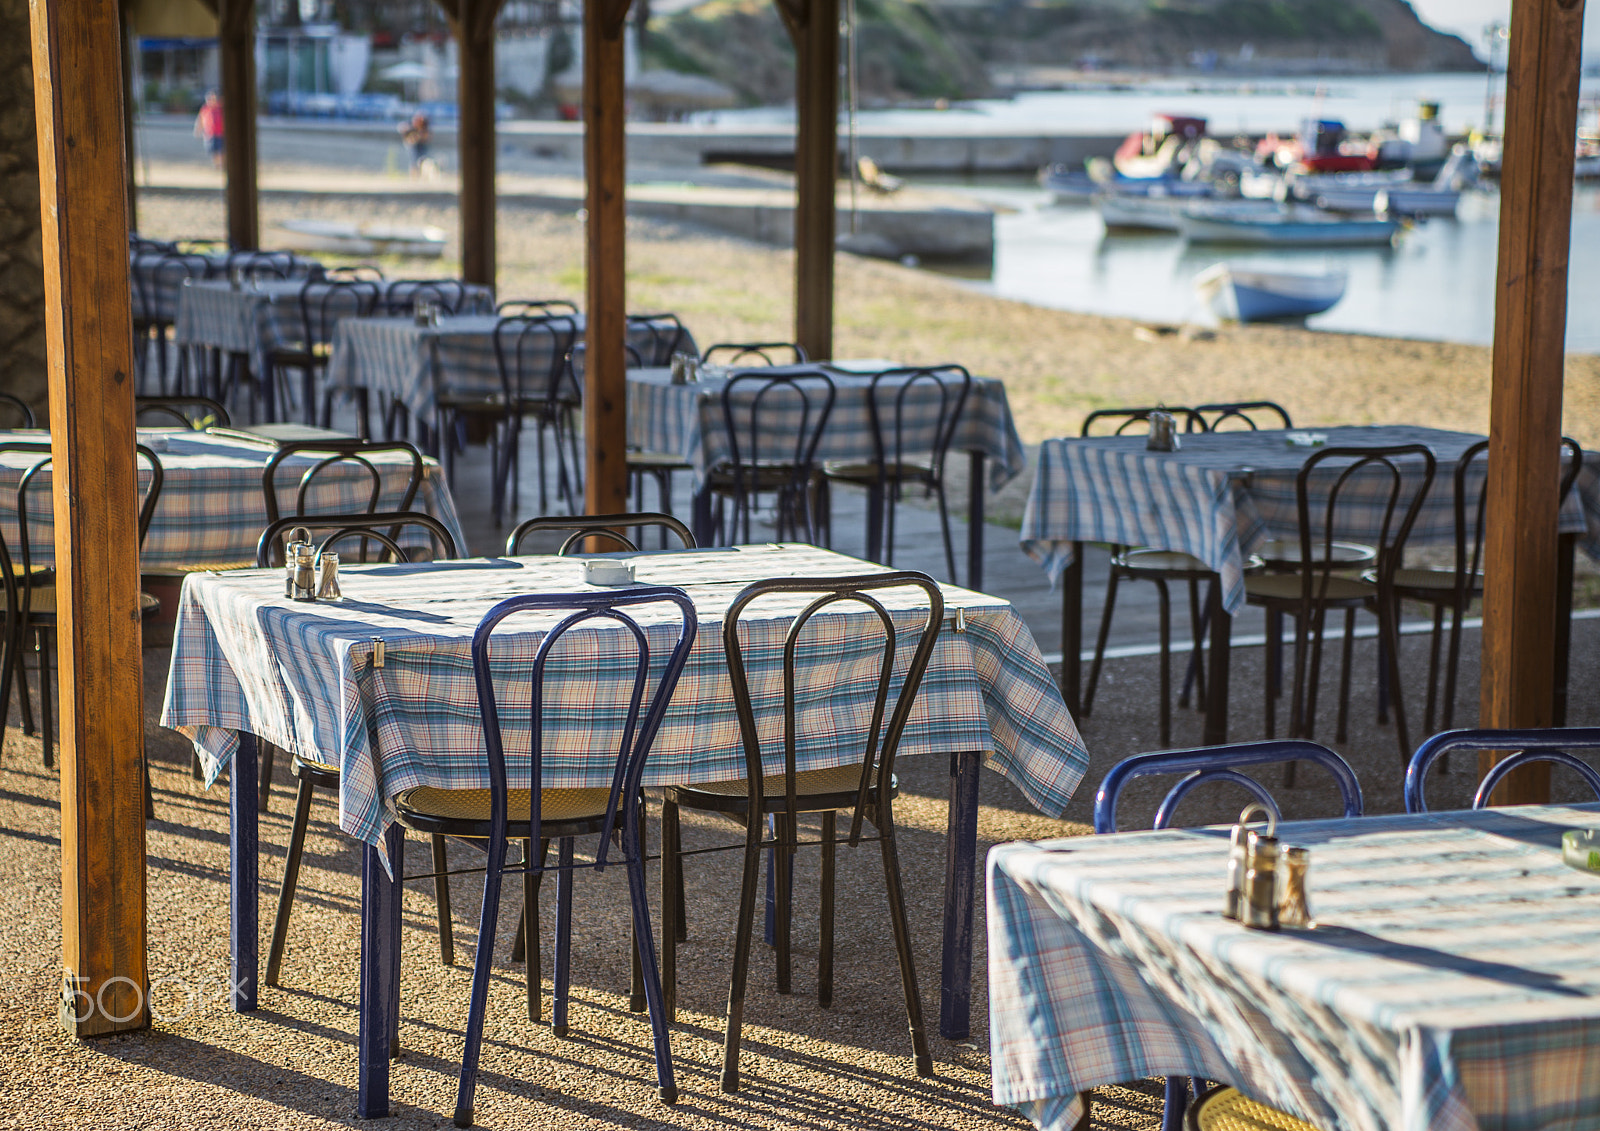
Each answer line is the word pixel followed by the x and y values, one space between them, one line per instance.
pixel 607 571
pixel 1580 849
pixel 1306 439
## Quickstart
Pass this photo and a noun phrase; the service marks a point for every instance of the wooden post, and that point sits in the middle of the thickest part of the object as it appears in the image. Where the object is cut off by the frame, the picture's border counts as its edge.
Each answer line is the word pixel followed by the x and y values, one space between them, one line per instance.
pixel 814 27
pixel 1519 602
pixel 129 103
pixel 473 23
pixel 89 328
pixel 236 40
pixel 605 159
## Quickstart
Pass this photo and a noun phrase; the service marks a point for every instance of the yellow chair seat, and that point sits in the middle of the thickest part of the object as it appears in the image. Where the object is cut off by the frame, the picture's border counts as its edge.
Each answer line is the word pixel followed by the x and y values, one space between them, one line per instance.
pixel 1228 1109
pixel 807 783
pixel 473 804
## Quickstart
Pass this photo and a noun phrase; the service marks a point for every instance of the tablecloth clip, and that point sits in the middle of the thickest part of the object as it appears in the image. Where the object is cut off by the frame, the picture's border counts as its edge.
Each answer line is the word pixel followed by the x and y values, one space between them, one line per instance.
pixel 960 619
pixel 377 651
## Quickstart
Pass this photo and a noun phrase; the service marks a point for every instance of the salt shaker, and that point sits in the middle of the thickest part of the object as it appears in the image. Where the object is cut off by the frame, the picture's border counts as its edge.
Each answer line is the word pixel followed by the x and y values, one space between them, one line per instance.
pixel 1163 432
pixel 1261 882
pixel 1294 903
pixel 299 539
pixel 1238 863
pixel 328 572
pixel 305 576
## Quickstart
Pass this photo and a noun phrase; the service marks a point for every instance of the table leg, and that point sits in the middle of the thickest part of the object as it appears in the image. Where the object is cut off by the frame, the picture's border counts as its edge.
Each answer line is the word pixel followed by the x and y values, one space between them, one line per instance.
pixel 1216 728
pixel 975 486
pixel 1566 548
pixel 244 872
pixel 1072 630
pixel 960 861
pixel 701 519
pixel 380 976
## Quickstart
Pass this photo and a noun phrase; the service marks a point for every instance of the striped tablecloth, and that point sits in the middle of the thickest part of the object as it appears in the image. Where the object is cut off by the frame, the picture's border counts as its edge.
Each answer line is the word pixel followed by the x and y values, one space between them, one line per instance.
pixel 1223 494
pixel 398 359
pixel 212 508
pixel 1451 984
pixel 687 420
pixel 303 678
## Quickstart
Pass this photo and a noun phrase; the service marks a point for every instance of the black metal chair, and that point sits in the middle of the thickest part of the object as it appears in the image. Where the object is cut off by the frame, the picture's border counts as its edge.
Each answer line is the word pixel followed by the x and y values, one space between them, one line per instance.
pixel 773 422
pixel 537 308
pixel 255 266
pixel 1247 416
pixel 1216 764
pixel 449 296
pixel 154 315
pixel 863 785
pixel 196 412
pixel 18 408
pixel 355 272
pixel 745 354
pixel 313 774
pixel 1551 744
pixel 609 526
pixel 323 302
pixel 531 352
pixel 1386 478
pixel 657 337
pixel 335 453
pixel 1455 589
pixel 534 815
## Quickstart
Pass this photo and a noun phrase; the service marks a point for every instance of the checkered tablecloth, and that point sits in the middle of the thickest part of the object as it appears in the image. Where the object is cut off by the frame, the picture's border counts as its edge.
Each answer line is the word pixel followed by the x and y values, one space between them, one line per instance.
pixel 1223 494
pixel 1451 983
pixel 302 677
pixel 398 359
pixel 157 281
pixel 688 420
pixel 212 508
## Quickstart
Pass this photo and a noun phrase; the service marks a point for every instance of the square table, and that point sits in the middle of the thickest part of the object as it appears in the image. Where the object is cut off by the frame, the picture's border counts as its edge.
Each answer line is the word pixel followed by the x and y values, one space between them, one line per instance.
pixel 687 420
pixel 212 508
pixel 1450 984
pixel 1221 495
pixel 248 664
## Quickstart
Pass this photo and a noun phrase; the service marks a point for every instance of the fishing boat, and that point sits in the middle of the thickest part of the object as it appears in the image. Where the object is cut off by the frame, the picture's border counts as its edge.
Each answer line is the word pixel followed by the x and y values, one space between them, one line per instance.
pixel 1166 213
pixel 349 238
pixel 1244 293
pixel 1393 192
pixel 1289 227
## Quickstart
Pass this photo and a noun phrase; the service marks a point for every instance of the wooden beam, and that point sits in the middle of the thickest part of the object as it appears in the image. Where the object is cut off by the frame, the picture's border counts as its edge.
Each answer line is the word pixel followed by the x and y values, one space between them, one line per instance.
pixel 127 48
pixel 605 160
pixel 78 102
pixel 236 41
pixel 473 23
pixel 1519 603
pixel 816 167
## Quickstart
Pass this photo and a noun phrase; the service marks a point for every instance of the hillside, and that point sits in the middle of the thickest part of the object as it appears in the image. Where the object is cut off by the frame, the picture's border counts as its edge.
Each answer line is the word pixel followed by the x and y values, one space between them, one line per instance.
pixel 921 49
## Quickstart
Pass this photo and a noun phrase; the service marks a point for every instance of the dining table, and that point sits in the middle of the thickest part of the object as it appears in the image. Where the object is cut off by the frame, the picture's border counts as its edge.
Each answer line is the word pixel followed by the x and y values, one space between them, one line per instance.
pixel 380 685
pixel 687 420
pixel 1449 982
pixel 1219 497
pixel 212 508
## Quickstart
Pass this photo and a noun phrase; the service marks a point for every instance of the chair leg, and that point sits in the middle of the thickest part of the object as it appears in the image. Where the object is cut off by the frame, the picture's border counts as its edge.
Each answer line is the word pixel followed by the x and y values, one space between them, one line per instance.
pixel 1451 671
pixel 744 930
pixel 902 941
pixel 1389 631
pixel 1273 659
pixel 149 789
pixel 671 913
pixel 785 905
pixel 20 669
pixel 268 751
pixel 1175 1104
pixel 825 944
pixel 291 878
pixel 1346 659
pixel 46 701
pixel 1100 641
pixel 1435 643
pixel 1194 675
pixel 645 950
pixel 944 528
pixel 564 878
pixel 482 972
pixel 1164 601
pixel 441 903
pixel 637 1001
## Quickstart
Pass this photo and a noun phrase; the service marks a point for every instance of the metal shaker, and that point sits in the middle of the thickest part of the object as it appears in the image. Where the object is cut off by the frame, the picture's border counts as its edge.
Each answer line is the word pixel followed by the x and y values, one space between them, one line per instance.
pixel 1294 901
pixel 328 573
pixel 299 538
pixel 305 574
pixel 1163 432
pixel 1238 861
pixel 1261 882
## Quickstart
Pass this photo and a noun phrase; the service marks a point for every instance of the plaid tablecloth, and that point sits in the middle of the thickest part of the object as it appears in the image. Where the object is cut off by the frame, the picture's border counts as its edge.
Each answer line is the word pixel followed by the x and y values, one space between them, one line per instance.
pixel 1223 494
pixel 212 508
pixel 687 420
pixel 1451 983
pixel 303 678
pixel 398 359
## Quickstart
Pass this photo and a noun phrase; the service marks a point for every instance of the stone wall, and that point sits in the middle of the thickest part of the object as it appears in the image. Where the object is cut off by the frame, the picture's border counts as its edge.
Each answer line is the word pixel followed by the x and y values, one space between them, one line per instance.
pixel 22 344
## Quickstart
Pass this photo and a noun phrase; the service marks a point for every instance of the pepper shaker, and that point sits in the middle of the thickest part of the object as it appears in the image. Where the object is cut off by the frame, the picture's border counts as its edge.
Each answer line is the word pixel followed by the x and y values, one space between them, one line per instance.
pixel 1238 862
pixel 1261 882
pixel 328 571
pixel 1294 902
pixel 305 577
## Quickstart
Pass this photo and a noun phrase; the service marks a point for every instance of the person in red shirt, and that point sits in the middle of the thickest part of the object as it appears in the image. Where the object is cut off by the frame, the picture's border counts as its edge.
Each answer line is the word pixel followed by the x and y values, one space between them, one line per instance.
pixel 208 126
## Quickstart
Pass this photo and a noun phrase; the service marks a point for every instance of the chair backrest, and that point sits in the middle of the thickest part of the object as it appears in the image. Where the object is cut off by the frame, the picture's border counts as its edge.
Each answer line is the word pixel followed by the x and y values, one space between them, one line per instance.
pixel 1471 507
pixel 638 730
pixel 774 420
pixel 19 408
pixel 579 527
pixel 351 453
pixel 1383 481
pixel 576 363
pixel 1551 744
pixel 1248 416
pixel 827 691
pixel 1120 421
pixel 1220 763
pixel 401 296
pixel 755 353
pixel 355 272
pixel 537 307
pixel 383 528
pixel 324 301
pixel 166 275
pixel 31 478
pixel 531 352
pixel 258 265
pixel 902 423
pixel 197 412
pixel 659 336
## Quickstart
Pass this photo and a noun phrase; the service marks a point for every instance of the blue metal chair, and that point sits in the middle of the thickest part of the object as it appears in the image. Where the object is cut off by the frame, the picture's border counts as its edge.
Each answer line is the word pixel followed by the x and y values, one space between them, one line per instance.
pixel 1547 745
pixel 1208 764
pixel 495 815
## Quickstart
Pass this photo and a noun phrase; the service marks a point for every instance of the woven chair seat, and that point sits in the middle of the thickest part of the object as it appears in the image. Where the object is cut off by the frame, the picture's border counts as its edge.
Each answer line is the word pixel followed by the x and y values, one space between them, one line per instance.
pixel 839 782
pixel 1228 1109
pixel 665 461
pixel 762 477
pixel 471 806
pixel 1287 587
pixel 1284 553
pixel 1435 580
pixel 868 472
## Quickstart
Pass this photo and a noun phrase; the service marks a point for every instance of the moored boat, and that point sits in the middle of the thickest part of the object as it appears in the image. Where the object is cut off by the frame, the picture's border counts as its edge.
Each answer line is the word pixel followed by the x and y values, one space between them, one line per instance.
pixel 1289 227
pixel 1246 293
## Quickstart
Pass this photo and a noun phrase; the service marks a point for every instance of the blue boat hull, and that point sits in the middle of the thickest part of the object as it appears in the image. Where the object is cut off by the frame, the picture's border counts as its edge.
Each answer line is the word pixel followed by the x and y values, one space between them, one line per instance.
pixel 1255 305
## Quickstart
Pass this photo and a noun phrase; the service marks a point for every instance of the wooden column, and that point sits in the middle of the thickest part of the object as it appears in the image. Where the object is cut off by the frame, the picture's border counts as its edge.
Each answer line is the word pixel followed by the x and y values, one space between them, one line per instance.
pixel 814 27
pixel 236 41
pixel 1519 604
pixel 129 103
pixel 473 23
pixel 605 161
pixel 77 66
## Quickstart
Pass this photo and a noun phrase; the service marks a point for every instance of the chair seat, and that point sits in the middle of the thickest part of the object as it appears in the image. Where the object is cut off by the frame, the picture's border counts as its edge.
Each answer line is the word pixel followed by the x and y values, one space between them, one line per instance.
pixel 325 774
pixel 867 473
pixel 761 477
pixel 1432 580
pixel 465 812
pixel 1285 587
pixel 489 402
pixel 815 790
pixel 1284 553
pixel 656 461
pixel 1228 1109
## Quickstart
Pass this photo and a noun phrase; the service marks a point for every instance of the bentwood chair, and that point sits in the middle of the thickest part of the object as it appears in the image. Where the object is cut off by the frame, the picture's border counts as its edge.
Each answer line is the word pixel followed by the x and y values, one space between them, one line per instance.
pixel 1217 764
pixel 1551 744
pixel 1245 416
pixel 1390 483
pixel 196 412
pixel 537 308
pixel 323 302
pixel 909 446
pixel 312 773
pixel 448 296
pixel 795 696
pixel 774 421
pixel 19 410
pixel 344 454
pixel 578 528
pixel 657 337
pixel 535 815
pixel 746 354
pixel 531 353
pixel 154 319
